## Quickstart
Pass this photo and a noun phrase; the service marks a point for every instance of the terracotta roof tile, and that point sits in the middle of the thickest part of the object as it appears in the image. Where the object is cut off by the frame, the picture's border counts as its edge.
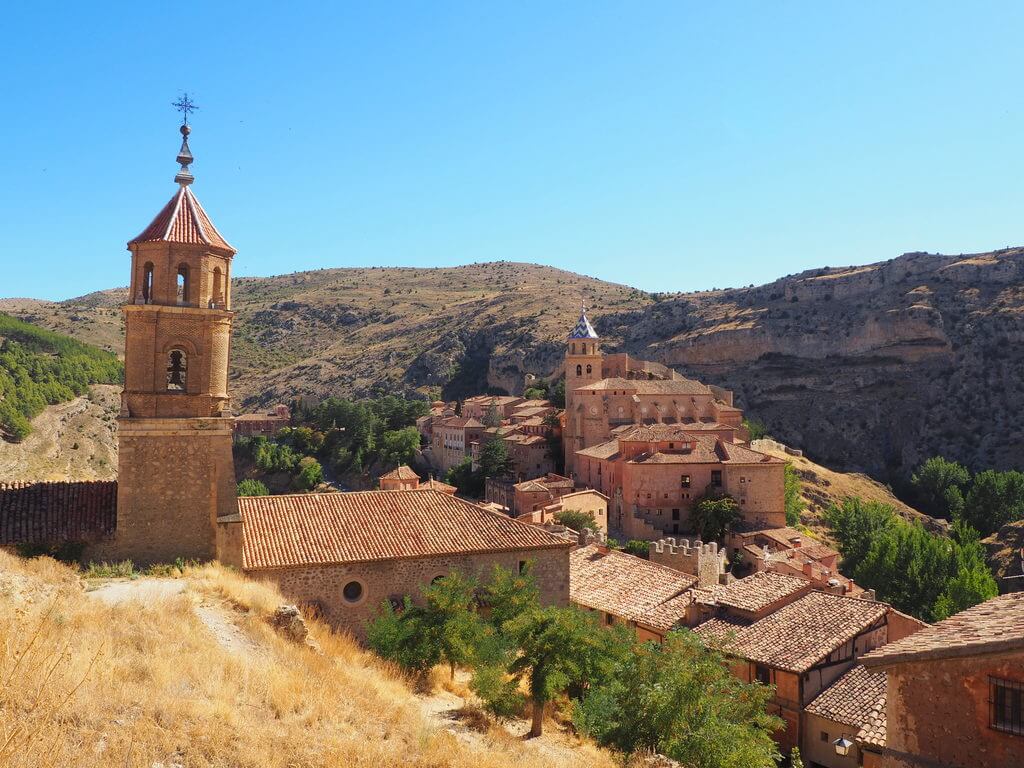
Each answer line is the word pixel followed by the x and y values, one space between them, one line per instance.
pixel 797 636
pixel 755 592
pixel 322 528
pixel 183 220
pixel 403 472
pixel 995 625
pixel 626 586
pixel 50 513
pixel 437 485
pixel 850 699
pixel 874 729
pixel 679 387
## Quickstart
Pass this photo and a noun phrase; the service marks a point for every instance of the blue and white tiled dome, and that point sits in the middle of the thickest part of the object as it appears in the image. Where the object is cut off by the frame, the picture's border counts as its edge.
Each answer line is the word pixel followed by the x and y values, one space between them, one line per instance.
pixel 583 329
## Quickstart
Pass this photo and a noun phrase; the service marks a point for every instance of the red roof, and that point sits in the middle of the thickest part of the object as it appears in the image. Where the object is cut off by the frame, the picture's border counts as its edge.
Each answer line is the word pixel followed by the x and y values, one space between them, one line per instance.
pixel 404 472
pixel 326 528
pixel 183 220
pixel 50 513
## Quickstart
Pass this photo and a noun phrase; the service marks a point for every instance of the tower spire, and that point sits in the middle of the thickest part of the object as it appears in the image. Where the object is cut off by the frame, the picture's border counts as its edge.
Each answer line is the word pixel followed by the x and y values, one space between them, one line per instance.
pixel 185 105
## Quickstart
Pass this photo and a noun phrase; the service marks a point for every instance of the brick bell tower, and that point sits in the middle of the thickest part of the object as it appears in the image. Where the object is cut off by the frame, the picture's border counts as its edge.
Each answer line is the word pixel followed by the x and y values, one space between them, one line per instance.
pixel 175 472
pixel 582 367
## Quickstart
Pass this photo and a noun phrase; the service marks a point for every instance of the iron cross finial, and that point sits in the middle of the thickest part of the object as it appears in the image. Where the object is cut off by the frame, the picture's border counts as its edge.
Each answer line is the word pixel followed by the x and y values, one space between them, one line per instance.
pixel 186 106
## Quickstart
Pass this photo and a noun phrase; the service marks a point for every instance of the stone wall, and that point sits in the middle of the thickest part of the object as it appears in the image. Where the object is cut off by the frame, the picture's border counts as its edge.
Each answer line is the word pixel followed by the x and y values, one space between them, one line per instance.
pixel 323 585
pixel 175 478
pixel 705 561
pixel 938 711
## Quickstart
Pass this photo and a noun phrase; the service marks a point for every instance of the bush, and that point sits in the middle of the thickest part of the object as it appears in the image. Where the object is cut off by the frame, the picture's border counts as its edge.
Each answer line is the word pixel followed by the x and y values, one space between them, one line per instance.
pixel 577 520
pixel 310 474
pixel 250 487
pixel 795 505
pixel 638 548
pixel 713 515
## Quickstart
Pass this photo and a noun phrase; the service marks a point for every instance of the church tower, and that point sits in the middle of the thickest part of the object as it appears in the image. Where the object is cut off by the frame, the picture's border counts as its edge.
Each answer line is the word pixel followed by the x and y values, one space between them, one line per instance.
pixel 582 367
pixel 175 472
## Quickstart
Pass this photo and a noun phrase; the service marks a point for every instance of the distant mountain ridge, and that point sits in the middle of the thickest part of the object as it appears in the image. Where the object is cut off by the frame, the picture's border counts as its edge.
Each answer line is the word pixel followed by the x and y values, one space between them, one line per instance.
pixel 869 368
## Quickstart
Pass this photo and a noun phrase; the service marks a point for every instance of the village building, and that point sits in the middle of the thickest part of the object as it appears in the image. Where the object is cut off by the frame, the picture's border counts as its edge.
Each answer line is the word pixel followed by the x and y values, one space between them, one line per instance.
pixel 479 406
pixel 589 502
pixel 604 392
pixel 526 495
pixel 439 410
pixel 654 474
pixel 955 691
pixel 838 715
pixel 802 648
pixel 624 589
pixel 787 550
pixel 347 553
pixel 266 424
pixel 401 478
pixel 452 441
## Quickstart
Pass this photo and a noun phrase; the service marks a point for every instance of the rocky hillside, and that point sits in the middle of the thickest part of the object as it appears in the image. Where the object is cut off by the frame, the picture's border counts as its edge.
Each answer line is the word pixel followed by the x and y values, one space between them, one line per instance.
pixel 867 369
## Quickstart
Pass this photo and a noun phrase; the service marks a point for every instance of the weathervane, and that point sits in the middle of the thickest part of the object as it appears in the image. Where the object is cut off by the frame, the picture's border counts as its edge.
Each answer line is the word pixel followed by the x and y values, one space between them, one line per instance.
pixel 186 106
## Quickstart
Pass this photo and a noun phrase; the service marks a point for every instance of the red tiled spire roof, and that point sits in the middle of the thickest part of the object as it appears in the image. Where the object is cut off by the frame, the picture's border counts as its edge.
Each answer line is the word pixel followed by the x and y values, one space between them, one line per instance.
pixel 183 220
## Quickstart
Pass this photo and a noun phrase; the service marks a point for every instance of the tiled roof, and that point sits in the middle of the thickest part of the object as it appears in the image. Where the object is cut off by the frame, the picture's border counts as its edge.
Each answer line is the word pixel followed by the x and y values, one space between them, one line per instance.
pixel 626 586
pixel 719 629
pixel 459 422
pixel 183 220
pixel 661 432
pixel 583 329
pixel 850 699
pixel 797 636
pixel 995 625
pixel 403 472
pixel 48 513
pixel 650 386
pixel 437 485
pixel 533 404
pixel 323 528
pixel 755 592
pixel 873 731
pixel 600 451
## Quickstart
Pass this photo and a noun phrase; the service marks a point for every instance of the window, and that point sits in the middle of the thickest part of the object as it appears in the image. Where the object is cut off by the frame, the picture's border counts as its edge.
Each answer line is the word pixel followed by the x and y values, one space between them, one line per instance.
pixel 523 565
pixel 743 479
pixel 609 619
pixel 589 370
pixel 177 370
pixel 671 446
pixel 147 283
pixel 763 674
pixel 675 514
pixel 218 288
pixel 684 481
pixel 579 370
pixel 183 286
pixel 716 478
pixel 1006 699
pixel 824 735
pixel 352 592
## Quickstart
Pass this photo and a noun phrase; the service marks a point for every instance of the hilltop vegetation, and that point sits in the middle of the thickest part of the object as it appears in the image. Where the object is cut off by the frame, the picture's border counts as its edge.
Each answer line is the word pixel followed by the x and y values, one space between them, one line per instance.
pixel 39 367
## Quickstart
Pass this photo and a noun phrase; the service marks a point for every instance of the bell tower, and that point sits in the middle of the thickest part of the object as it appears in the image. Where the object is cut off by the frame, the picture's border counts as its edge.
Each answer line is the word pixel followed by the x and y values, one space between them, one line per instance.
pixel 582 367
pixel 175 471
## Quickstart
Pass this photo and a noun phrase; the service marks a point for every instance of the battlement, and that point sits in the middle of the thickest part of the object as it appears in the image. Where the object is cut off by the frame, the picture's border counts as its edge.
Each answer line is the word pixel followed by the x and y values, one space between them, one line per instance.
pixel 703 560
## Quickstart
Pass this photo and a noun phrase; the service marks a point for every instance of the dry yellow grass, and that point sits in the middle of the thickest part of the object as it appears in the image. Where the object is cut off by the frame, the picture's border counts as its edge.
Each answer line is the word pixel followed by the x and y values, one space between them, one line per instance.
pixel 88 684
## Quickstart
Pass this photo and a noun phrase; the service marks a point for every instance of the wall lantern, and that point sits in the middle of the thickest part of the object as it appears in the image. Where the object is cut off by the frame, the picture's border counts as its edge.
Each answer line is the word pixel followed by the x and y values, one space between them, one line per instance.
pixel 842 745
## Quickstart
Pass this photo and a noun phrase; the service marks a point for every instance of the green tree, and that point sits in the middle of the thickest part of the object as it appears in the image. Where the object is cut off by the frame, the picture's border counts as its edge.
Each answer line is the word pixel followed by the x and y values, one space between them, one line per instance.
pixel 680 699
pixel 492 418
pixel 795 761
pixel 452 619
pixel 939 485
pixel 399 446
pixel 509 595
pixel 250 487
pixel 556 394
pixel 535 393
pixel 310 474
pixel 577 520
pixel 402 637
pixel 557 648
pixel 494 460
pixel 856 524
pixel 995 499
pixel 972 581
pixel 465 479
pixel 795 505
pixel 712 516
pixel 638 548
pixel 756 428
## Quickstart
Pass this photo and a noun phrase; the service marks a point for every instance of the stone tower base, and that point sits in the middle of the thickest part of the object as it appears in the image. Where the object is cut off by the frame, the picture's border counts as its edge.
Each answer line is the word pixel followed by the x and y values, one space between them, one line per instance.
pixel 175 478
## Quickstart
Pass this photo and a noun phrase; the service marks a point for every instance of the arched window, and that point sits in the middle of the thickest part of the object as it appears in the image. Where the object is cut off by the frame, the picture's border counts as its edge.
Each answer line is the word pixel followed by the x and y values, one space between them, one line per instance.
pixel 589 369
pixel 218 288
pixel 573 345
pixel 147 283
pixel 177 370
pixel 579 370
pixel 183 284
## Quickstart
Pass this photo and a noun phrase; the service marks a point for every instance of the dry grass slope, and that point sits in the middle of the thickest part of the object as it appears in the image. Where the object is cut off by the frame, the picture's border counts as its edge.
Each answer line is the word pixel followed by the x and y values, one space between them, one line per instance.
pixel 89 684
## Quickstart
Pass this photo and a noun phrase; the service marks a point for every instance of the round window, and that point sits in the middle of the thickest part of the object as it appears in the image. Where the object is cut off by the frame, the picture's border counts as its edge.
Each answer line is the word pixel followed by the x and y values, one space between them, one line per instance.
pixel 352 592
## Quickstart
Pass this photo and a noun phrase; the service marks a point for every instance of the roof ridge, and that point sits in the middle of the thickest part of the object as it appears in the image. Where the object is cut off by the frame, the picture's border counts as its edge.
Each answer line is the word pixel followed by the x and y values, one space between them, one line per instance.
pixel 174 214
pixel 191 199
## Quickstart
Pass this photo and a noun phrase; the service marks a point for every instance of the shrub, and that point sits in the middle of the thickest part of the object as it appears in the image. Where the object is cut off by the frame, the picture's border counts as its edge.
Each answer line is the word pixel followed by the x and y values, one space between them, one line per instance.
pixel 250 487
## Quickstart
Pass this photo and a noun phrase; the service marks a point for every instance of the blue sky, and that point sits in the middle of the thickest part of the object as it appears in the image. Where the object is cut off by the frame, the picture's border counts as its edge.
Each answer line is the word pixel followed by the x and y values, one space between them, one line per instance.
pixel 670 146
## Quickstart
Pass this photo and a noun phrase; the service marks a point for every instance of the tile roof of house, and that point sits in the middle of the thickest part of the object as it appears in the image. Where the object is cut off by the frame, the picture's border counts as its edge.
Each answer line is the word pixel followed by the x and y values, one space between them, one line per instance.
pixel 719 629
pixel 536 411
pixel 583 329
pixel 873 731
pixel 797 636
pixel 183 220
pixel 850 699
pixel 549 481
pixel 325 528
pixel 460 422
pixel 601 451
pixel 755 592
pixel 437 485
pixel 535 403
pixel 404 472
pixel 993 626
pixel 576 494
pixel 49 513
pixel 627 586
pixel 649 386
pixel 661 432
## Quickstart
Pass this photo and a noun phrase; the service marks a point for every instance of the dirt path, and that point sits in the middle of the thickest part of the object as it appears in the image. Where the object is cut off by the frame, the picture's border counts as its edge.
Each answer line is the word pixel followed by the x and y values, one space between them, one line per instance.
pixel 215 616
